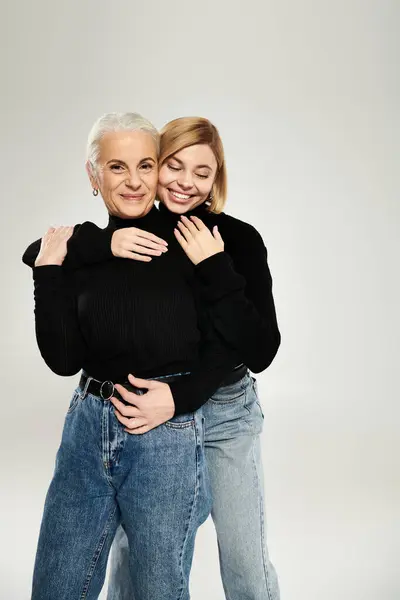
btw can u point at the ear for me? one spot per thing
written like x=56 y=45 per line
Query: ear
x=91 y=175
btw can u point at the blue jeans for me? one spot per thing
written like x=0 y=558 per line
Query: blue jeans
x=233 y=424
x=155 y=484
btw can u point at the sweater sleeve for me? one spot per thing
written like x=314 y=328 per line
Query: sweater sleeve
x=88 y=245
x=238 y=289
x=215 y=362
x=58 y=335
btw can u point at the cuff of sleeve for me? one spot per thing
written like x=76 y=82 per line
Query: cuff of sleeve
x=47 y=273
x=184 y=398
x=218 y=275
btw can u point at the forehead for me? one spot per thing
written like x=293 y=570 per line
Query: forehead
x=127 y=146
x=199 y=154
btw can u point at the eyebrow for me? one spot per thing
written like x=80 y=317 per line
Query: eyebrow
x=118 y=160
x=197 y=166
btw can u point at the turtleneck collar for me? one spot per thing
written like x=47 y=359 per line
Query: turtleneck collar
x=147 y=220
x=200 y=211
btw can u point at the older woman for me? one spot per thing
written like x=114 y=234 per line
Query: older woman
x=110 y=320
x=236 y=288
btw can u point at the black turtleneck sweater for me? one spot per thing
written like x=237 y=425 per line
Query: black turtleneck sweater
x=119 y=316
x=236 y=286
x=233 y=289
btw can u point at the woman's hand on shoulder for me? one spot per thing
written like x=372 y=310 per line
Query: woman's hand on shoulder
x=197 y=240
x=136 y=244
x=53 y=246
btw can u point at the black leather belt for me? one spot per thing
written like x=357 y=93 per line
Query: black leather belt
x=234 y=376
x=106 y=389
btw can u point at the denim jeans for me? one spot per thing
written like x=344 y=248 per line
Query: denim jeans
x=233 y=424
x=155 y=484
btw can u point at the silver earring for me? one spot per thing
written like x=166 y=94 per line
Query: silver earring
x=95 y=192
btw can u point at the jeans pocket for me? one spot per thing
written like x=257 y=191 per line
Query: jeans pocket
x=257 y=400
x=74 y=401
x=228 y=393
x=181 y=421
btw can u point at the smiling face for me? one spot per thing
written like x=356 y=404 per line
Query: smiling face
x=126 y=173
x=186 y=178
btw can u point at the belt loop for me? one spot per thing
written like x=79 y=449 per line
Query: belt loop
x=84 y=392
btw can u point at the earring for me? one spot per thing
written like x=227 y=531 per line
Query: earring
x=211 y=196
x=95 y=192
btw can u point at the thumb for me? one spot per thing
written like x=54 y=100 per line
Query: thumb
x=217 y=234
x=140 y=383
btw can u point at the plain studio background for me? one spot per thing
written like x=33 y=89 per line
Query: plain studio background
x=306 y=97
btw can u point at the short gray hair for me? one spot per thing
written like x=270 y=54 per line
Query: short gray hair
x=117 y=122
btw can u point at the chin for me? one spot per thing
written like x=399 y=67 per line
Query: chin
x=132 y=211
x=179 y=208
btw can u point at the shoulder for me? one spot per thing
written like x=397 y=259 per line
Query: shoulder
x=234 y=228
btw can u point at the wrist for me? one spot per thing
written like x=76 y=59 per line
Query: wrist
x=209 y=255
x=113 y=243
x=44 y=262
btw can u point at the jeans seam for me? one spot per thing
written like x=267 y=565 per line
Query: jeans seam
x=262 y=526
x=105 y=451
x=96 y=556
x=192 y=510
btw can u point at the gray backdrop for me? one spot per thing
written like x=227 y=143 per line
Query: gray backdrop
x=306 y=97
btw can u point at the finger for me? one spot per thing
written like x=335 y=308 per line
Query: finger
x=143 y=250
x=132 y=423
x=51 y=231
x=180 y=239
x=150 y=236
x=190 y=225
x=63 y=232
x=127 y=396
x=140 y=430
x=67 y=232
x=198 y=222
x=128 y=411
x=217 y=234
x=129 y=423
x=145 y=243
x=134 y=256
x=141 y=383
x=185 y=231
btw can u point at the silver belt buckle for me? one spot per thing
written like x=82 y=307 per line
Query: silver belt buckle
x=110 y=388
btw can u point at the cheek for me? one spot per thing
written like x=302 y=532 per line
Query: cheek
x=152 y=180
x=165 y=177
x=105 y=185
x=205 y=187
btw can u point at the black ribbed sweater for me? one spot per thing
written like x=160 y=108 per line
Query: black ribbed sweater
x=114 y=316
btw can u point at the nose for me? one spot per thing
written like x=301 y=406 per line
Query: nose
x=133 y=181
x=185 y=180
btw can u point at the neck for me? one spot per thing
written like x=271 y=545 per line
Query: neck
x=199 y=211
x=118 y=222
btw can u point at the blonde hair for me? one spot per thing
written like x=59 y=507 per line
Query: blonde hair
x=188 y=131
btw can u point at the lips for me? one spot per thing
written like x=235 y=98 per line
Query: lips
x=132 y=197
